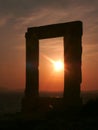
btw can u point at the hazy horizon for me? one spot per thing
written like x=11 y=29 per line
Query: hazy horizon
x=6 y=90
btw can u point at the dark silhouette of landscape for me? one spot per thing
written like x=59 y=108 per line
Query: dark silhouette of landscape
x=86 y=118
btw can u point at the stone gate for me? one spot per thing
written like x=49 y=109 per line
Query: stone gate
x=72 y=35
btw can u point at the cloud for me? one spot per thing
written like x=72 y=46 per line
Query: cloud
x=23 y=7
x=17 y=15
x=91 y=49
x=4 y=20
x=41 y=12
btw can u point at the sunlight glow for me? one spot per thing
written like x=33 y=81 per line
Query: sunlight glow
x=58 y=66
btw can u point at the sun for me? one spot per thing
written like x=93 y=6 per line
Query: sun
x=58 y=66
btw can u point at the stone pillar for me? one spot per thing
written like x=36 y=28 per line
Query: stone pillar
x=32 y=73
x=32 y=63
x=72 y=71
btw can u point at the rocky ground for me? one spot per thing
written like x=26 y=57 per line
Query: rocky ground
x=85 y=119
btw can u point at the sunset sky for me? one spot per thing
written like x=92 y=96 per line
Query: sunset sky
x=51 y=75
x=17 y=15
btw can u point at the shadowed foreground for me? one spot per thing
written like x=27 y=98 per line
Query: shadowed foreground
x=85 y=119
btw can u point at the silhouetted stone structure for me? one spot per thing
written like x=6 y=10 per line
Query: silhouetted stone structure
x=72 y=33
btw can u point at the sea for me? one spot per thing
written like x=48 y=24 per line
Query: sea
x=10 y=102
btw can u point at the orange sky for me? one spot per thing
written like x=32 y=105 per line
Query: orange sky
x=49 y=79
x=16 y=16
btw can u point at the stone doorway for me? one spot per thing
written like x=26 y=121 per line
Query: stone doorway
x=72 y=33
x=51 y=67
